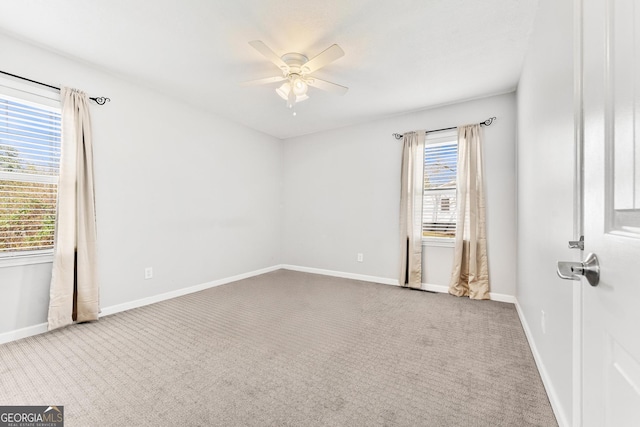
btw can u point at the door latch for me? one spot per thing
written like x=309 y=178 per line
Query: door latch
x=577 y=244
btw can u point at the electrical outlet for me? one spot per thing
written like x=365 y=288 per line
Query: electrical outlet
x=148 y=273
x=543 y=322
x=360 y=257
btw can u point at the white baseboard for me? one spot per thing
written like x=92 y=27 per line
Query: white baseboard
x=441 y=289
x=502 y=297
x=560 y=414
x=386 y=281
x=492 y=295
x=180 y=292
x=17 y=334
x=362 y=277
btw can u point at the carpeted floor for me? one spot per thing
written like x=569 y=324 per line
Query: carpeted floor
x=287 y=349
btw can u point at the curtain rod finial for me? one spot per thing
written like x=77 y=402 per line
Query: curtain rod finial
x=397 y=135
x=488 y=121
x=101 y=100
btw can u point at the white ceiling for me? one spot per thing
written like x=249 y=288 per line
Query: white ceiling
x=400 y=55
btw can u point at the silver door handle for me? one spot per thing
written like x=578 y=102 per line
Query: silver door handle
x=590 y=269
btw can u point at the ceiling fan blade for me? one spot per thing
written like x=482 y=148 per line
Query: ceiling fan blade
x=269 y=54
x=327 y=86
x=265 y=81
x=325 y=57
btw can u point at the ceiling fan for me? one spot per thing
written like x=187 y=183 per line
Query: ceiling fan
x=296 y=72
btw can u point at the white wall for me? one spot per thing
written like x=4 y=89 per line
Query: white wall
x=192 y=195
x=341 y=194
x=545 y=197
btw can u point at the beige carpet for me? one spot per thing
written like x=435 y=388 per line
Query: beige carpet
x=287 y=349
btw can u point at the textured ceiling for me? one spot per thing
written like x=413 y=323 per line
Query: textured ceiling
x=400 y=55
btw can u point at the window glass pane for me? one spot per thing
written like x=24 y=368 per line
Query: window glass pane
x=439 y=214
x=29 y=161
x=439 y=202
x=440 y=166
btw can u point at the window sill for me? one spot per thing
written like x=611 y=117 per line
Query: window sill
x=442 y=243
x=27 y=258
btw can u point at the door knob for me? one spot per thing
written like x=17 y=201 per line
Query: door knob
x=590 y=269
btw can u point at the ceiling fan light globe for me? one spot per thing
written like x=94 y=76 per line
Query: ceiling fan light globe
x=299 y=87
x=283 y=91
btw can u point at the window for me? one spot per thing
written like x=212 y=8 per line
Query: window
x=439 y=208
x=30 y=132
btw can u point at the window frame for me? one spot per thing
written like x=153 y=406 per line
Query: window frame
x=39 y=97
x=433 y=138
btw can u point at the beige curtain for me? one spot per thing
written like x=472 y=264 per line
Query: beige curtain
x=470 y=276
x=74 y=286
x=411 y=188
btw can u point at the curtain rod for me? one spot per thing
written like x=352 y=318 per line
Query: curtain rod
x=100 y=100
x=485 y=123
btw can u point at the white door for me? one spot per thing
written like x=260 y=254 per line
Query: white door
x=611 y=310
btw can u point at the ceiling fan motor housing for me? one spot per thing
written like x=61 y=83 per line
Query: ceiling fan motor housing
x=295 y=61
